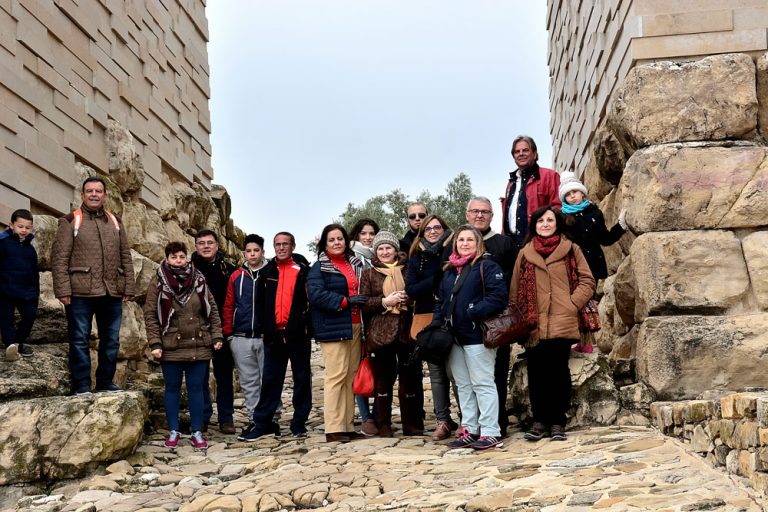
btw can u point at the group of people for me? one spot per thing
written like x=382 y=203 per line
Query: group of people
x=368 y=294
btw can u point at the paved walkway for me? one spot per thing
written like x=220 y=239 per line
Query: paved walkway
x=618 y=469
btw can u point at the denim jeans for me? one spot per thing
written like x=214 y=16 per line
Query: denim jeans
x=223 y=372
x=276 y=357
x=27 y=312
x=472 y=368
x=196 y=372
x=80 y=312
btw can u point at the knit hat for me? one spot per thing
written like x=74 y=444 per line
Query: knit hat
x=385 y=237
x=568 y=183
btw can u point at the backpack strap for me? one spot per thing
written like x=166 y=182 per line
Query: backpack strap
x=78 y=219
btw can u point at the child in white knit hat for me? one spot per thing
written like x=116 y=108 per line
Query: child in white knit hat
x=586 y=227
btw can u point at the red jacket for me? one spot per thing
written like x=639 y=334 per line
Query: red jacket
x=541 y=190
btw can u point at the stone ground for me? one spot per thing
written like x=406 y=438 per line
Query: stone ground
x=607 y=468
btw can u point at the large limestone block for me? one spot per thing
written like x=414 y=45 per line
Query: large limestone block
x=45 y=232
x=710 y=99
x=597 y=186
x=696 y=186
x=46 y=374
x=133 y=334
x=609 y=155
x=143 y=270
x=51 y=322
x=625 y=290
x=762 y=95
x=682 y=356
x=125 y=167
x=146 y=231
x=756 y=255
x=222 y=200
x=190 y=205
x=45 y=439
x=688 y=272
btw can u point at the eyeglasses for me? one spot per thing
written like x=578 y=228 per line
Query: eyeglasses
x=433 y=229
x=282 y=244
x=477 y=212
x=420 y=215
x=203 y=243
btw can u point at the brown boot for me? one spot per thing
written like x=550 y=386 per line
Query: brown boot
x=385 y=431
x=369 y=428
x=443 y=431
x=337 y=437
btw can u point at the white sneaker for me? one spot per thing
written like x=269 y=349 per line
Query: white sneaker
x=12 y=352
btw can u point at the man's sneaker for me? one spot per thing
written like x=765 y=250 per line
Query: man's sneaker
x=198 y=441
x=537 y=431
x=463 y=439
x=369 y=428
x=85 y=390
x=251 y=433
x=12 y=352
x=25 y=350
x=247 y=429
x=172 y=441
x=109 y=388
x=558 y=433
x=299 y=434
x=486 y=442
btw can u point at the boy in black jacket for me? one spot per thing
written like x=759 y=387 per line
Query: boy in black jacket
x=19 y=284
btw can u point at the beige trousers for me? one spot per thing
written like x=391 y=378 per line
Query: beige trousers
x=341 y=359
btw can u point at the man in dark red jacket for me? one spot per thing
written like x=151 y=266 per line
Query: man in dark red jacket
x=529 y=188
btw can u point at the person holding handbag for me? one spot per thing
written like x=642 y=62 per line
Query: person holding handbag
x=387 y=338
x=472 y=289
x=332 y=284
x=551 y=281
x=423 y=276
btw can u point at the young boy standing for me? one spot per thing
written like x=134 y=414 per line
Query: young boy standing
x=242 y=320
x=19 y=284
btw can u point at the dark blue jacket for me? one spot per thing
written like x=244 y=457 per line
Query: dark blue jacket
x=327 y=288
x=425 y=271
x=243 y=305
x=19 y=277
x=472 y=305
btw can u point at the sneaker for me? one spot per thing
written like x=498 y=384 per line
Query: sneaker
x=299 y=434
x=109 y=388
x=12 y=352
x=85 y=390
x=198 y=441
x=247 y=430
x=228 y=428
x=442 y=431
x=25 y=350
x=252 y=435
x=486 y=442
x=558 y=433
x=537 y=431
x=463 y=439
x=369 y=428
x=276 y=428
x=172 y=440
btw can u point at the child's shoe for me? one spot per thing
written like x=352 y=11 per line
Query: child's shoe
x=12 y=352
x=25 y=350
x=172 y=441
x=198 y=441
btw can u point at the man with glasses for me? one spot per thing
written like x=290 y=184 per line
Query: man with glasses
x=502 y=250
x=286 y=338
x=415 y=215
x=529 y=188
x=209 y=260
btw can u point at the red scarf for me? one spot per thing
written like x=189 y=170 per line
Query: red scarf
x=546 y=246
x=458 y=261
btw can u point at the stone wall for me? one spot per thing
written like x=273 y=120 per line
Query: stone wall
x=593 y=45
x=68 y=69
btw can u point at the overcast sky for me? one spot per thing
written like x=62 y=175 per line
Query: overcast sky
x=317 y=104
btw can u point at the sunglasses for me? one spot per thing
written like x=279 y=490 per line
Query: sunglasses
x=419 y=215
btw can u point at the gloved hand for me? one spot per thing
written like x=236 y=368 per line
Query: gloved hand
x=623 y=219
x=357 y=300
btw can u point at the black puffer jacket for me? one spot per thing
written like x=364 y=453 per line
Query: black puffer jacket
x=587 y=230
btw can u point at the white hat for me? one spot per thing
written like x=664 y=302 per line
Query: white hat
x=568 y=183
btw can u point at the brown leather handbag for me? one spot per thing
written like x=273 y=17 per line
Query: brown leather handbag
x=506 y=328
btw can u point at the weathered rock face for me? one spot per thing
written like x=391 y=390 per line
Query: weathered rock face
x=143 y=270
x=133 y=335
x=696 y=186
x=681 y=356
x=710 y=99
x=610 y=156
x=125 y=167
x=44 y=439
x=47 y=374
x=762 y=95
x=45 y=233
x=755 y=248
x=688 y=272
x=146 y=232
x=51 y=323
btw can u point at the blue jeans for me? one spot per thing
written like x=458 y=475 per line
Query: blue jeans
x=27 y=312
x=80 y=313
x=472 y=367
x=196 y=372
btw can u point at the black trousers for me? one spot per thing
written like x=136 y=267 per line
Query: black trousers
x=389 y=363
x=549 y=380
x=27 y=313
x=501 y=378
x=223 y=372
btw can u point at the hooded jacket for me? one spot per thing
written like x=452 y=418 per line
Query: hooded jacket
x=19 y=277
x=243 y=305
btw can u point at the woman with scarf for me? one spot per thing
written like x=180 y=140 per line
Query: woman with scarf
x=332 y=284
x=472 y=289
x=551 y=281
x=421 y=282
x=183 y=329
x=387 y=339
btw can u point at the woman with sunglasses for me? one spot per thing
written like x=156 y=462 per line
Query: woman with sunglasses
x=421 y=283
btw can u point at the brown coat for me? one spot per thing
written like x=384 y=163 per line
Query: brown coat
x=95 y=263
x=381 y=328
x=557 y=307
x=190 y=336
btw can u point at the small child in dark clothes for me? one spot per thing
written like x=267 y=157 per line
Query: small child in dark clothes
x=19 y=284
